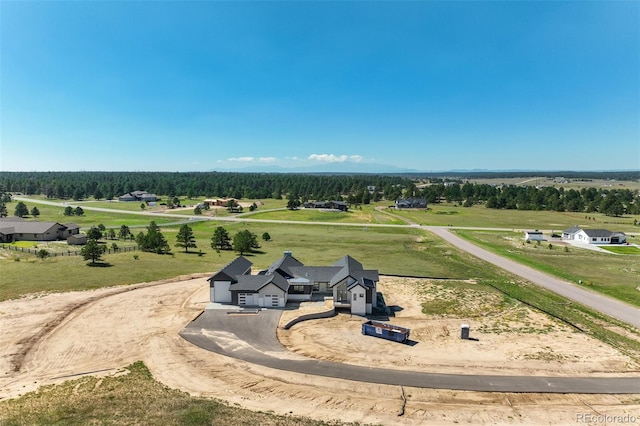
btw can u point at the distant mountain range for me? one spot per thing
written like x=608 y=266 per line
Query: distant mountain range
x=377 y=168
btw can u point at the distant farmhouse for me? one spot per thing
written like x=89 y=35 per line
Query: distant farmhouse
x=350 y=285
x=328 y=205
x=19 y=229
x=143 y=196
x=218 y=202
x=594 y=236
x=411 y=203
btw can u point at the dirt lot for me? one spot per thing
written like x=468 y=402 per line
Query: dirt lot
x=52 y=338
x=510 y=341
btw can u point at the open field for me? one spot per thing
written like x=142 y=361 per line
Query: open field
x=361 y=214
x=478 y=216
x=403 y=251
x=572 y=183
x=607 y=273
x=90 y=218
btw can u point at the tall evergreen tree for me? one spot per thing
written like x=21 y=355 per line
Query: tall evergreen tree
x=185 y=238
x=21 y=210
x=153 y=241
x=124 y=232
x=221 y=239
x=93 y=251
x=245 y=242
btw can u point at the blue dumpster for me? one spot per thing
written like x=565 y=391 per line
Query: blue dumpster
x=386 y=331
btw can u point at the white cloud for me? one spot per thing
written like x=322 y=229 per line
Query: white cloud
x=242 y=159
x=332 y=158
x=253 y=159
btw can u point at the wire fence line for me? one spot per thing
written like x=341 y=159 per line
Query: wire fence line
x=64 y=253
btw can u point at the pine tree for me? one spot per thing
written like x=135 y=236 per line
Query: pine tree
x=221 y=239
x=21 y=210
x=185 y=238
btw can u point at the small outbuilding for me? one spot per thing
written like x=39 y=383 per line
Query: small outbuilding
x=77 y=240
x=533 y=236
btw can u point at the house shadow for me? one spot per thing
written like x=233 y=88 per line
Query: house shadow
x=382 y=312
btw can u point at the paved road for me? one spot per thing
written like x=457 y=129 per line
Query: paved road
x=252 y=338
x=611 y=307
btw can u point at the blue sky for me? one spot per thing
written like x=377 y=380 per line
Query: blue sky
x=430 y=86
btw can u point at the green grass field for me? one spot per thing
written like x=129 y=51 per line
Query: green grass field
x=90 y=218
x=127 y=399
x=445 y=214
x=360 y=214
x=395 y=251
x=630 y=250
x=613 y=275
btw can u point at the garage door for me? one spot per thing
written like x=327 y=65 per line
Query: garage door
x=245 y=298
x=271 y=300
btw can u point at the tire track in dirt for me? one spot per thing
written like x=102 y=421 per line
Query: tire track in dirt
x=27 y=344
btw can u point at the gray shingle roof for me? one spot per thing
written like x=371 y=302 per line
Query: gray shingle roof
x=239 y=266
x=316 y=273
x=571 y=230
x=253 y=283
x=282 y=266
x=30 y=227
x=598 y=233
x=352 y=268
x=365 y=282
x=349 y=262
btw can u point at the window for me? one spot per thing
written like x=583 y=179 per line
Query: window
x=316 y=286
x=355 y=296
x=296 y=289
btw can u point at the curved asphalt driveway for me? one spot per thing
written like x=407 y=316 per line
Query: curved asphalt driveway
x=252 y=338
x=606 y=305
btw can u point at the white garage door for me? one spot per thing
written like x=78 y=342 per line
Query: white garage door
x=271 y=300
x=245 y=298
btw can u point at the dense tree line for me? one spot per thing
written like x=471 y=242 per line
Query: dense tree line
x=611 y=202
x=110 y=185
x=298 y=188
x=586 y=176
